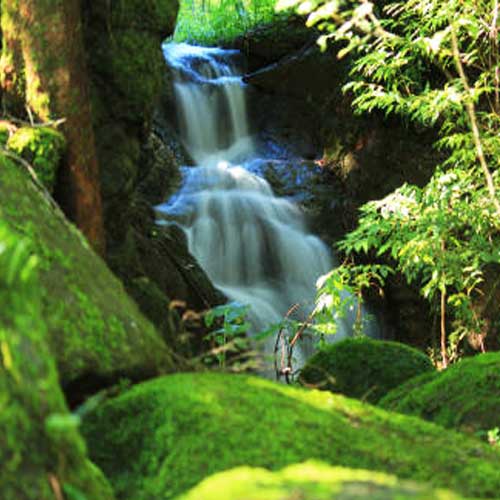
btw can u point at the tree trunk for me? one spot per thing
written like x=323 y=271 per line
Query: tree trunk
x=43 y=60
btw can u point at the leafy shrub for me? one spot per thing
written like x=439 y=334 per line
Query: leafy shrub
x=364 y=368
x=435 y=64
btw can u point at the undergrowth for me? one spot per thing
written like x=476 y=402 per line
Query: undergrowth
x=209 y=22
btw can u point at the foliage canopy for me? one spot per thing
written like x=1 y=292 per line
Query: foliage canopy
x=435 y=64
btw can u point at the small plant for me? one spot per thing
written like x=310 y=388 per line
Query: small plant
x=340 y=294
x=229 y=339
x=493 y=436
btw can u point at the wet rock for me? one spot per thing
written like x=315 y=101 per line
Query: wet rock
x=268 y=43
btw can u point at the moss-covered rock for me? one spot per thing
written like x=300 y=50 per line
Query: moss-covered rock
x=94 y=329
x=42 y=453
x=364 y=368
x=43 y=148
x=466 y=396
x=128 y=73
x=162 y=437
x=311 y=481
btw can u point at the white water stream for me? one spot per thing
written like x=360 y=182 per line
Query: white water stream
x=254 y=246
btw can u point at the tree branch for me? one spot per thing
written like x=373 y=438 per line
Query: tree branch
x=471 y=113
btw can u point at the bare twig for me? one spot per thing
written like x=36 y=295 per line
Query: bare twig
x=444 y=354
x=18 y=121
x=56 y=487
x=283 y=369
x=494 y=43
x=30 y=115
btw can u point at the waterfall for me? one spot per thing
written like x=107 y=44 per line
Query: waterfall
x=254 y=246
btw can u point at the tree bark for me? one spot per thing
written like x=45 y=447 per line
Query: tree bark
x=44 y=61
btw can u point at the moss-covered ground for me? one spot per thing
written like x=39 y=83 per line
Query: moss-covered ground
x=364 y=368
x=94 y=329
x=162 y=437
x=312 y=481
x=42 y=454
x=466 y=396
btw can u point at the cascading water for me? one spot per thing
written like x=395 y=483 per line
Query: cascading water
x=254 y=246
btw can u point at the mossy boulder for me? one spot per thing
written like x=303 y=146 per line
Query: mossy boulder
x=43 y=148
x=95 y=330
x=163 y=436
x=364 y=368
x=312 y=481
x=465 y=396
x=42 y=453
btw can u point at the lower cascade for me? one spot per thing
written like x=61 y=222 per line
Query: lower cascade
x=254 y=246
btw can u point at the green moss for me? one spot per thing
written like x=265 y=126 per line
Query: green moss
x=156 y=16
x=364 y=368
x=162 y=437
x=127 y=39
x=466 y=396
x=94 y=328
x=43 y=148
x=40 y=446
x=155 y=305
x=312 y=481
x=140 y=77
x=4 y=132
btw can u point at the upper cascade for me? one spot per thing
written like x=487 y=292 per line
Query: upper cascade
x=211 y=103
x=254 y=246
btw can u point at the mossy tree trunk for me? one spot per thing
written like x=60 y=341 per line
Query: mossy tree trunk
x=43 y=67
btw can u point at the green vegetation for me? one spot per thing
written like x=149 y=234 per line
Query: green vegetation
x=434 y=64
x=67 y=324
x=162 y=437
x=311 y=480
x=363 y=368
x=41 y=147
x=228 y=336
x=465 y=397
x=41 y=451
x=92 y=325
x=208 y=22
